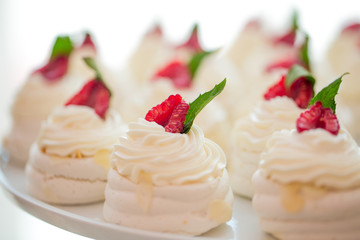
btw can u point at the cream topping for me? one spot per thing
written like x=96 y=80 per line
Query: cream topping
x=171 y=159
x=316 y=157
x=252 y=132
x=33 y=93
x=74 y=130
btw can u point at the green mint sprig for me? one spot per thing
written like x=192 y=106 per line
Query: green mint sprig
x=199 y=103
x=91 y=63
x=327 y=95
x=62 y=46
x=304 y=53
x=297 y=72
x=295 y=21
x=196 y=60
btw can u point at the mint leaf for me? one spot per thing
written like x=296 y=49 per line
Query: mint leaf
x=304 y=53
x=91 y=63
x=62 y=46
x=199 y=103
x=297 y=72
x=327 y=95
x=294 y=21
x=195 y=28
x=196 y=60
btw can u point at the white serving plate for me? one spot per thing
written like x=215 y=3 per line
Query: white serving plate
x=87 y=220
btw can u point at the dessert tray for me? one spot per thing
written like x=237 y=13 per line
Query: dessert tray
x=87 y=220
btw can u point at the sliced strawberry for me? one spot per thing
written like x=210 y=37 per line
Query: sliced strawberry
x=176 y=71
x=161 y=113
x=94 y=94
x=55 y=69
x=156 y=30
x=301 y=91
x=254 y=23
x=310 y=118
x=193 y=41
x=318 y=117
x=288 y=38
x=285 y=64
x=177 y=119
x=277 y=90
x=353 y=27
x=329 y=121
x=88 y=42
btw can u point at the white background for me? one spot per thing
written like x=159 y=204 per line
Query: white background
x=28 y=29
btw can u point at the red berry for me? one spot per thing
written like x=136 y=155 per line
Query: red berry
x=318 y=117
x=282 y=64
x=329 y=121
x=156 y=30
x=354 y=27
x=193 y=42
x=94 y=94
x=177 y=119
x=310 y=118
x=178 y=72
x=301 y=91
x=55 y=69
x=277 y=90
x=88 y=42
x=170 y=114
x=253 y=23
x=288 y=38
x=162 y=112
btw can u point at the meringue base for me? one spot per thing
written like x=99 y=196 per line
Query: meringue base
x=241 y=172
x=65 y=180
x=319 y=214
x=183 y=209
x=23 y=133
x=63 y=190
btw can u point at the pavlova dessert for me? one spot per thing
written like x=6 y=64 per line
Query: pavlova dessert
x=166 y=176
x=281 y=106
x=307 y=185
x=45 y=89
x=70 y=158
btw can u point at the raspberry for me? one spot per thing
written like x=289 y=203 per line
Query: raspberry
x=318 y=117
x=282 y=64
x=55 y=69
x=288 y=38
x=193 y=41
x=330 y=121
x=178 y=72
x=162 y=112
x=94 y=94
x=277 y=90
x=88 y=42
x=156 y=30
x=177 y=119
x=170 y=114
x=310 y=118
x=354 y=27
x=253 y=24
x=301 y=91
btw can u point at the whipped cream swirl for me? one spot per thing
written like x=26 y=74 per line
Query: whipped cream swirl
x=252 y=132
x=76 y=129
x=316 y=157
x=170 y=159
